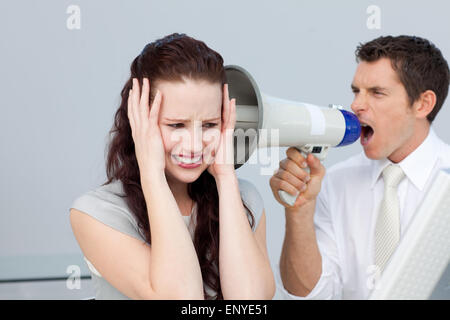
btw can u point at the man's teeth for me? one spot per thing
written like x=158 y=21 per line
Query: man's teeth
x=363 y=125
x=187 y=160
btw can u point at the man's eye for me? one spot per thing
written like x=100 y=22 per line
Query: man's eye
x=210 y=125
x=176 y=125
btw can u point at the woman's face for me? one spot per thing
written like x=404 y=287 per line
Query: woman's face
x=190 y=122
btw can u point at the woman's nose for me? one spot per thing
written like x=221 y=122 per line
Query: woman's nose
x=197 y=140
x=192 y=140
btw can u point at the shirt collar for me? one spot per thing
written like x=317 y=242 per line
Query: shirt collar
x=417 y=165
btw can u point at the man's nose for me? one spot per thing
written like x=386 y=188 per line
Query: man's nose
x=359 y=104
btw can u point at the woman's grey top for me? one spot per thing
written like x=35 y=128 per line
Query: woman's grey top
x=107 y=206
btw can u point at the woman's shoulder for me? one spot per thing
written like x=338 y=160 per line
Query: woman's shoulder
x=107 y=204
x=103 y=197
x=251 y=198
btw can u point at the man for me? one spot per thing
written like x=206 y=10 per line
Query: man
x=340 y=228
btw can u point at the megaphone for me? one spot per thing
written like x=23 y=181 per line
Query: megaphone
x=309 y=128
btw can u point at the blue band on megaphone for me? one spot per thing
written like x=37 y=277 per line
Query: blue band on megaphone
x=352 y=129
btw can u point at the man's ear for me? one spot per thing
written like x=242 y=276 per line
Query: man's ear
x=425 y=104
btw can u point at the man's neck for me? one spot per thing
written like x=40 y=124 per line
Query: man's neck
x=420 y=134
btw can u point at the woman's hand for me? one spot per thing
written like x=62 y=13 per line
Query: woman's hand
x=145 y=129
x=223 y=163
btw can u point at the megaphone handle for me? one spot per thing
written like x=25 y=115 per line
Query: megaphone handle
x=286 y=197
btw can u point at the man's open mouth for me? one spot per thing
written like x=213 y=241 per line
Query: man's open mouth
x=366 y=133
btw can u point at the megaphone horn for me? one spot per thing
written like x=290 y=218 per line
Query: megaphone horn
x=309 y=128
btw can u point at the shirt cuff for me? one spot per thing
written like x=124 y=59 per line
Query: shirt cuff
x=321 y=291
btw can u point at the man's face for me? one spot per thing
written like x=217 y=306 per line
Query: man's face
x=382 y=106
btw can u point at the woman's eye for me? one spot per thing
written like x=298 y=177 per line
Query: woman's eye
x=181 y=125
x=176 y=125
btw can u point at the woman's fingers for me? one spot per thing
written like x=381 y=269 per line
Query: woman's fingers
x=229 y=109
x=226 y=106
x=232 y=120
x=209 y=154
x=139 y=111
x=130 y=110
x=135 y=102
x=154 y=111
x=138 y=102
x=144 y=99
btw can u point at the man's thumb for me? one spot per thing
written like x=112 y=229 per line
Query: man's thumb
x=316 y=168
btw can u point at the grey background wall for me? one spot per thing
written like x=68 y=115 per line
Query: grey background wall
x=60 y=88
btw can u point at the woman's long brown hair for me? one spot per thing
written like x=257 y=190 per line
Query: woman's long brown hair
x=171 y=58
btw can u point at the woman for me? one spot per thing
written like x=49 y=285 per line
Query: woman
x=170 y=222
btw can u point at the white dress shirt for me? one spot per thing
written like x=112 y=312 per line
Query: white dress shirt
x=346 y=213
